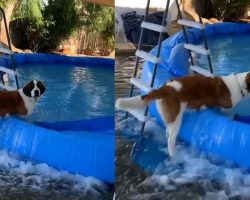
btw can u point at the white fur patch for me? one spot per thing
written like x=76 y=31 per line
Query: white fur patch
x=175 y=84
x=234 y=88
x=6 y=78
x=29 y=102
x=129 y=103
x=241 y=79
x=34 y=89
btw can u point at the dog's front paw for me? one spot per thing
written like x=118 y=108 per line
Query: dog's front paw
x=171 y=148
x=171 y=153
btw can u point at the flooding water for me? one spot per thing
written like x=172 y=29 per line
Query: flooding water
x=30 y=181
x=145 y=172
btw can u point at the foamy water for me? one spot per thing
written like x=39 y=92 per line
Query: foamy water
x=19 y=179
x=206 y=177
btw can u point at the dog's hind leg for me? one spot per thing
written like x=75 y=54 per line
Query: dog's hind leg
x=171 y=111
x=173 y=130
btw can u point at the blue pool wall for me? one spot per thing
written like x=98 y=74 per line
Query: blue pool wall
x=53 y=58
x=84 y=147
x=209 y=130
x=106 y=123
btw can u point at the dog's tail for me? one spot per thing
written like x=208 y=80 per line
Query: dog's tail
x=138 y=102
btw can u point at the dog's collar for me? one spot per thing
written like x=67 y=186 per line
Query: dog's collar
x=241 y=91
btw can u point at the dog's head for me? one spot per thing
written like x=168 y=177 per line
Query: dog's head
x=34 y=88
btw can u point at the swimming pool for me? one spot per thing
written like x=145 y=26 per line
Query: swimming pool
x=63 y=131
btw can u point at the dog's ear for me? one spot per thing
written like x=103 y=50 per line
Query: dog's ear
x=28 y=88
x=41 y=87
x=248 y=82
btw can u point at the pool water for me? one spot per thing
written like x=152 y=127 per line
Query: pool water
x=73 y=92
x=229 y=54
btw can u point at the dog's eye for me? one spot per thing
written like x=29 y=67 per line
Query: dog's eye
x=41 y=87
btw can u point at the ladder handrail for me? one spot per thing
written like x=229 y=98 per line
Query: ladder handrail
x=9 y=45
x=164 y=21
x=205 y=39
x=202 y=33
x=139 y=47
x=6 y=27
x=184 y=31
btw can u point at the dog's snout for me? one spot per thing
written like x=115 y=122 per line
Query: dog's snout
x=36 y=93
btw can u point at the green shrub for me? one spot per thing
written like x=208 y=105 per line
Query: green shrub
x=230 y=10
x=46 y=26
x=98 y=19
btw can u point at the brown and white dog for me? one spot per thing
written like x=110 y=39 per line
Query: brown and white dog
x=190 y=92
x=22 y=101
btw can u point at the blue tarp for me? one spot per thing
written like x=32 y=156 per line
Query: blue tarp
x=132 y=27
x=209 y=130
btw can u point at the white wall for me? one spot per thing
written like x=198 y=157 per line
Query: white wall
x=140 y=3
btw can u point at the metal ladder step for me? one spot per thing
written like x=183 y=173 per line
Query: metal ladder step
x=153 y=27
x=7 y=87
x=202 y=71
x=140 y=84
x=190 y=23
x=147 y=56
x=197 y=48
x=138 y=114
x=5 y=50
x=7 y=70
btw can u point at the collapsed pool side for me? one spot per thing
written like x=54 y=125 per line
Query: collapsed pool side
x=88 y=153
x=208 y=130
x=84 y=147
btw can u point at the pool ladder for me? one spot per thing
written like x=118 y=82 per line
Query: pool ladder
x=11 y=72
x=141 y=115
